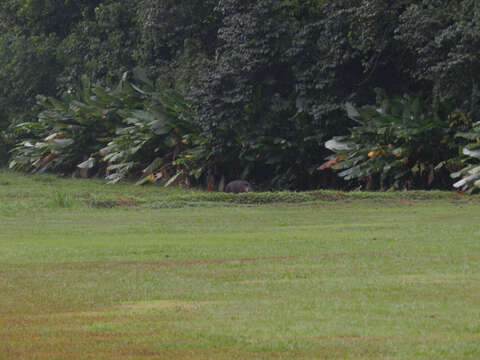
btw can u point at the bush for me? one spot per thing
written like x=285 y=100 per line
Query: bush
x=403 y=143
x=155 y=140
x=470 y=174
x=137 y=130
x=68 y=131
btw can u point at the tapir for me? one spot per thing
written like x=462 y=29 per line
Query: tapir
x=238 y=186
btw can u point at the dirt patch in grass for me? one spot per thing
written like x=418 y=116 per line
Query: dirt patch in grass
x=112 y=203
x=160 y=305
x=436 y=279
x=106 y=265
x=126 y=202
x=193 y=262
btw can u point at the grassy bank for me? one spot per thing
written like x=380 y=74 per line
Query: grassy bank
x=90 y=271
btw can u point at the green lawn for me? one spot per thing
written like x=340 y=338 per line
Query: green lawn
x=90 y=271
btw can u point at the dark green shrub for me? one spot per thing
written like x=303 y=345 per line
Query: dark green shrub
x=247 y=100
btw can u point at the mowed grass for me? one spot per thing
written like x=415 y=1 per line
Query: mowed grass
x=90 y=271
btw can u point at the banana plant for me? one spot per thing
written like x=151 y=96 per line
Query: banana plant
x=400 y=143
x=68 y=131
x=135 y=129
x=153 y=138
x=470 y=174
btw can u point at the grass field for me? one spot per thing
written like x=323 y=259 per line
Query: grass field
x=90 y=271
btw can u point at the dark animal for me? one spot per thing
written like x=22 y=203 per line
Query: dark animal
x=238 y=186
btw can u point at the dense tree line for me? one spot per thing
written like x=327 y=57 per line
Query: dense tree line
x=266 y=82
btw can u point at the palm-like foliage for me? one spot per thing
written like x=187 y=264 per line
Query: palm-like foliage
x=154 y=138
x=401 y=143
x=470 y=175
x=131 y=130
x=68 y=131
